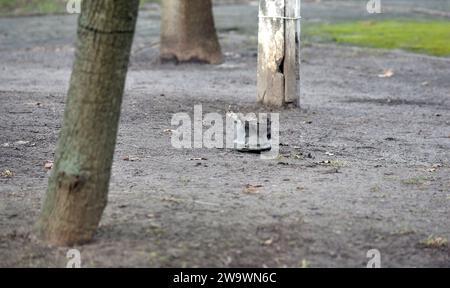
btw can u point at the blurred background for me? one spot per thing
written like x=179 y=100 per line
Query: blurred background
x=420 y=26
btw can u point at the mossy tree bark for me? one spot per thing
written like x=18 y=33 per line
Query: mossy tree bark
x=188 y=33
x=78 y=186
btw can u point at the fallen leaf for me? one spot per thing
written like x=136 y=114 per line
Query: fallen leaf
x=21 y=142
x=48 y=164
x=297 y=156
x=434 y=167
x=131 y=158
x=387 y=73
x=252 y=189
x=7 y=173
x=268 y=242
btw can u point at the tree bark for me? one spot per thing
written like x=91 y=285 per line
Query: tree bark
x=188 y=33
x=78 y=187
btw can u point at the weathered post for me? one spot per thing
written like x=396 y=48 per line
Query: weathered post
x=292 y=52
x=279 y=52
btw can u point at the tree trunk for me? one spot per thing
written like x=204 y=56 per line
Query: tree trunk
x=78 y=187
x=188 y=33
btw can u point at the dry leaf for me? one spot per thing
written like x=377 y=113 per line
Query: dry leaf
x=387 y=73
x=7 y=173
x=131 y=158
x=434 y=167
x=21 y=142
x=268 y=242
x=297 y=156
x=48 y=165
x=251 y=189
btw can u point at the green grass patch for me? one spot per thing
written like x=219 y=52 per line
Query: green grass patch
x=429 y=37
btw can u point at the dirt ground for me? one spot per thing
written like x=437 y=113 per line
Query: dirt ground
x=365 y=163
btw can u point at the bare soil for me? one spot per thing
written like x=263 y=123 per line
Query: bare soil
x=365 y=163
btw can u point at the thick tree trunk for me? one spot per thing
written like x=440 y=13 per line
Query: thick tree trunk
x=188 y=33
x=78 y=187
